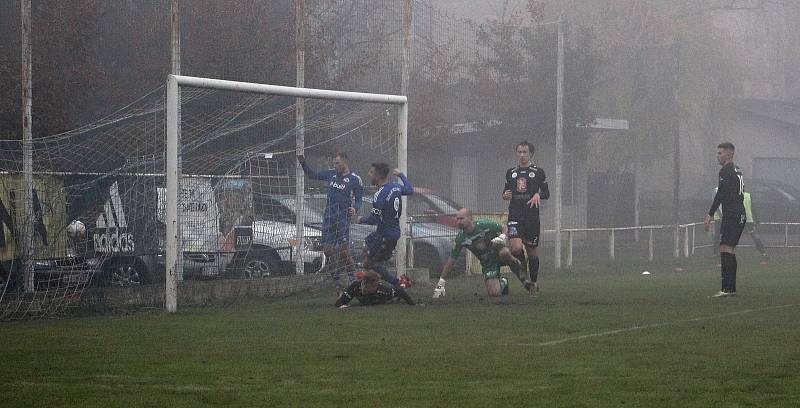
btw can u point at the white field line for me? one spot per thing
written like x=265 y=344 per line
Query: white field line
x=656 y=325
x=563 y=340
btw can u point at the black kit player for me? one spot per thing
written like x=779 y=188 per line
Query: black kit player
x=525 y=187
x=730 y=194
x=372 y=291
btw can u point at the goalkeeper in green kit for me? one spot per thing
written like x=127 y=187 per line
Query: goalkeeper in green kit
x=485 y=239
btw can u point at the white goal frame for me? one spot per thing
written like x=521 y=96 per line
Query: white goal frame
x=174 y=269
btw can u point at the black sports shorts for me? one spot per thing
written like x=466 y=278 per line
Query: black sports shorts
x=527 y=230
x=731 y=229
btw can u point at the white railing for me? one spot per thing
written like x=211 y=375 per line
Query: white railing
x=785 y=244
x=685 y=241
x=612 y=231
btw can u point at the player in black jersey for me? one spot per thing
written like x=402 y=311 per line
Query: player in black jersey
x=525 y=187
x=730 y=194
x=371 y=291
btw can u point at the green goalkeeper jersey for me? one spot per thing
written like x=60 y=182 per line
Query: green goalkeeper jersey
x=479 y=240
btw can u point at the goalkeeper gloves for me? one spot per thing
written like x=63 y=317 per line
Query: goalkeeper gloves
x=499 y=241
x=439 y=291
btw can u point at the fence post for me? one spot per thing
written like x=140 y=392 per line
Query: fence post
x=569 y=248
x=650 y=244
x=786 y=235
x=686 y=242
x=694 y=237
x=410 y=251
x=611 y=245
x=676 y=244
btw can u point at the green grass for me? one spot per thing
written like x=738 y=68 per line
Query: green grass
x=576 y=345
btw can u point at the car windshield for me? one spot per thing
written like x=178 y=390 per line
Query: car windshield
x=428 y=203
x=268 y=209
x=446 y=205
x=315 y=207
x=788 y=193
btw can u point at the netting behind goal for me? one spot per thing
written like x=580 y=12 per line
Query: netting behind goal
x=90 y=211
x=99 y=218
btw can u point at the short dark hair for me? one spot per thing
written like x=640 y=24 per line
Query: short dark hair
x=726 y=146
x=382 y=169
x=341 y=155
x=531 y=149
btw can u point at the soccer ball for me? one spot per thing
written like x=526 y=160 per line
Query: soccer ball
x=76 y=229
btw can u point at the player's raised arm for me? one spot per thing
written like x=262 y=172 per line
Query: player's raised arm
x=311 y=173
x=408 y=189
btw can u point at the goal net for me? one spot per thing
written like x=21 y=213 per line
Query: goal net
x=120 y=217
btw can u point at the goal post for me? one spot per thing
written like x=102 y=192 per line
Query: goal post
x=174 y=268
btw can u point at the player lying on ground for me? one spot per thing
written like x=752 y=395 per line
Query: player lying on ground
x=371 y=291
x=484 y=238
x=387 y=206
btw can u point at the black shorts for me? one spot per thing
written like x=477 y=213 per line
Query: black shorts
x=527 y=230
x=731 y=229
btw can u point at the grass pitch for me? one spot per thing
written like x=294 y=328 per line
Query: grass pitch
x=603 y=335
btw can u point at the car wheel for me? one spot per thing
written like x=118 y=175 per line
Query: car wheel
x=427 y=257
x=259 y=263
x=124 y=272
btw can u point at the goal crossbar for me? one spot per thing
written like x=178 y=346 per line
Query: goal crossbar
x=310 y=93
x=174 y=268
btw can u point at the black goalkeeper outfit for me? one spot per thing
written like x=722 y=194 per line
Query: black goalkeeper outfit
x=382 y=294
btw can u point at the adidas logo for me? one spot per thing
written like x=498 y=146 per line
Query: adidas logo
x=111 y=218
x=113 y=240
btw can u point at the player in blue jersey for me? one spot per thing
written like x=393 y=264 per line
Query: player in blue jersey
x=387 y=206
x=345 y=192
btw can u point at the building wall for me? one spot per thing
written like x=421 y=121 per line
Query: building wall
x=759 y=137
x=472 y=168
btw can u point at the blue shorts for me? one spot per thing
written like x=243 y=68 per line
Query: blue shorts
x=335 y=231
x=379 y=248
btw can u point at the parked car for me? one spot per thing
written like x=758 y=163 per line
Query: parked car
x=772 y=201
x=122 y=232
x=427 y=206
x=432 y=242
